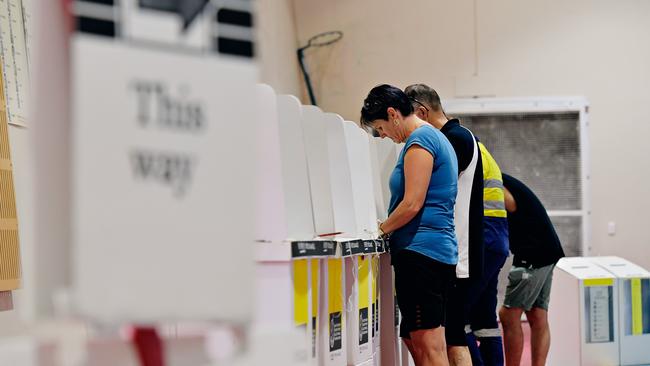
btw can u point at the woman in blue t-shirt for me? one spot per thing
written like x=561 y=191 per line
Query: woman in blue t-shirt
x=421 y=219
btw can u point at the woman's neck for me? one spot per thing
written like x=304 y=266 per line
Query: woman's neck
x=412 y=123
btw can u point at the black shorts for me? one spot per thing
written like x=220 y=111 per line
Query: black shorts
x=457 y=313
x=422 y=285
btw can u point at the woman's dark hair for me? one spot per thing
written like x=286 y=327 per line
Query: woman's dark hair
x=380 y=98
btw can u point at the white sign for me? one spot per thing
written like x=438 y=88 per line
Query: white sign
x=164 y=175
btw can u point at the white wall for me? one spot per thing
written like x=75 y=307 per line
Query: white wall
x=595 y=48
x=277 y=44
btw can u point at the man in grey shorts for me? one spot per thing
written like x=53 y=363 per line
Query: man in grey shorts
x=536 y=248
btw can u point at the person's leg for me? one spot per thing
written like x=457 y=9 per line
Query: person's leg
x=540 y=336
x=459 y=356
x=405 y=334
x=404 y=290
x=513 y=336
x=540 y=339
x=476 y=287
x=475 y=353
x=409 y=346
x=430 y=347
x=483 y=317
x=456 y=318
x=422 y=286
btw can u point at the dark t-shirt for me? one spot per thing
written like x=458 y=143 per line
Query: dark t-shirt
x=533 y=239
x=463 y=143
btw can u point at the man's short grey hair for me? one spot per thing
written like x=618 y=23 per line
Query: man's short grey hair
x=422 y=93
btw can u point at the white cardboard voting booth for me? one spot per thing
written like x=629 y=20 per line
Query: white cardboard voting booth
x=633 y=296
x=287 y=285
x=300 y=219
x=582 y=314
x=318 y=138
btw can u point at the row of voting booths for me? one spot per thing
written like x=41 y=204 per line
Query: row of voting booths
x=600 y=312
x=170 y=207
x=320 y=264
x=163 y=204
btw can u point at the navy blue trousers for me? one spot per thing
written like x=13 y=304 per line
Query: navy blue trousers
x=482 y=302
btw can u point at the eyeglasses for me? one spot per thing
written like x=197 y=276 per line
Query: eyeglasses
x=421 y=104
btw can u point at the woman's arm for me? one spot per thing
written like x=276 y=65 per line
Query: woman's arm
x=418 y=165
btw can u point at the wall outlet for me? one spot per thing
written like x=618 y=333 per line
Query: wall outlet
x=611 y=228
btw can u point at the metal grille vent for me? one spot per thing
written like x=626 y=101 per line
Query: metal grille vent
x=542 y=150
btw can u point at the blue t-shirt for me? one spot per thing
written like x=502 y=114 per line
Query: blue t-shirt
x=431 y=232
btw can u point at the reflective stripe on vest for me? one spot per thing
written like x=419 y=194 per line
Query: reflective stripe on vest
x=493 y=197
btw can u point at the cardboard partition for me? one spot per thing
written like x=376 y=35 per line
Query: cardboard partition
x=318 y=164
x=295 y=176
x=341 y=181
x=361 y=174
x=270 y=212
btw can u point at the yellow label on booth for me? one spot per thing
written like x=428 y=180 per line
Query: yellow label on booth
x=335 y=284
x=300 y=292
x=375 y=277
x=315 y=275
x=363 y=282
x=599 y=282
x=637 y=306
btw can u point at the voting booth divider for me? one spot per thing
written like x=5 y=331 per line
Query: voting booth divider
x=633 y=297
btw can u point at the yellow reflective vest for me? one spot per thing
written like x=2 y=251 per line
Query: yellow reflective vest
x=493 y=196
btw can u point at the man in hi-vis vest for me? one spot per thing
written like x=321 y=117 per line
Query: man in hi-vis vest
x=483 y=293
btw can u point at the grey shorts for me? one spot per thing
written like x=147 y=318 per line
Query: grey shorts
x=529 y=287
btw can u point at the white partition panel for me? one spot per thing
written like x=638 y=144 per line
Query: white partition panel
x=315 y=134
x=380 y=203
x=386 y=155
x=344 y=218
x=361 y=173
x=271 y=224
x=295 y=176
